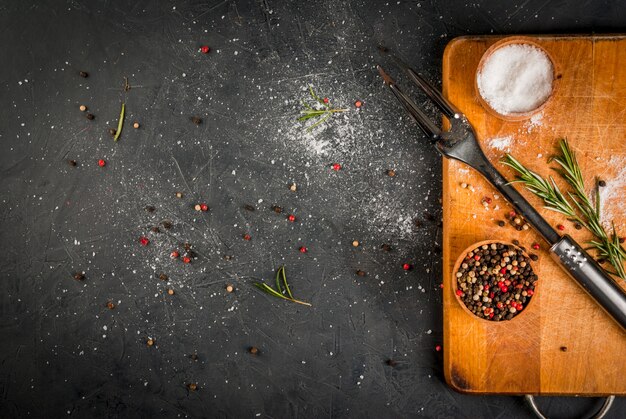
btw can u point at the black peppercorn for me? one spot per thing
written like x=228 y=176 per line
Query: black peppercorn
x=79 y=276
x=112 y=132
x=601 y=183
x=72 y=163
x=392 y=363
x=386 y=247
x=277 y=209
x=360 y=272
x=253 y=350
x=83 y=74
x=163 y=277
x=150 y=208
x=501 y=223
x=534 y=257
x=196 y=120
x=90 y=116
x=166 y=224
x=578 y=226
x=248 y=207
x=155 y=229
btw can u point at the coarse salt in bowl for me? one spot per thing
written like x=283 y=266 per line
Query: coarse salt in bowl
x=515 y=77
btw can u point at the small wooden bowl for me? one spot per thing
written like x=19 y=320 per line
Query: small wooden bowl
x=460 y=260
x=510 y=41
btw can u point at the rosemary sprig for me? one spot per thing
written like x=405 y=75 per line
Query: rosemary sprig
x=323 y=113
x=585 y=210
x=282 y=288
x=120 y=123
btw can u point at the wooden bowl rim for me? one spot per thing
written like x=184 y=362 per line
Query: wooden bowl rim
x=509 y=41
x=460 y=259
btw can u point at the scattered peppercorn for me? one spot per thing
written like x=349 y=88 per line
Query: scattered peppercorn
x=601 y=261
x=293 y=187
x=360 y=272
x=228 y=257
x=163 y=277
x=90 y=116
x=253 y=350
x=179 y=195
x=578 y=226
x=174 y=254
x=155 y=229
x=355 y=243
x=560 y=227
x=391 y=173
x=407 y=266
x=144 y=241
x=72 y=163
x=112 y=132
x=501 y=223
x=515 y=242
x=291 y=218
x=192 y=386
x=170 y=291
x=326 y=100
x=563 y=348
x=150 y=342
x=186 y=259
x=102 y=163
x=166 y=224
x=495 y=281
x=601 y=183
x=204 y=49
x=110 y=305
x=438 y=348
x=535 y=246
x=82 y=108
x=83 y=74
x=391 y=363
x=79 y=276
x=196 y=120
x=204 y=207
x=303 y=249
x=358 y=104
x=197 y=207
x=336 y=167
x=230 y=288
x=194 y=357
x=621 y=239
x=247 y=237
x=386 y=247
x=136 y=125
x=248 y=207
x=534 y=257
x=150 y=208
x=277 y=209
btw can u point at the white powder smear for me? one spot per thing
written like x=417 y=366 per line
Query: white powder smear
x=516 y=78
x=501 y=143
x=612 y=192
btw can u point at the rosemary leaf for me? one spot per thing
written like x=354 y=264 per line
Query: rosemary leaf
x=323 y=113
x=281 y=277
x=120 y=123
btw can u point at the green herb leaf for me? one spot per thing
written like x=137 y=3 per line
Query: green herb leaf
x=585 y=211
x=322 y=113
x=281 y=282
x=120 y=123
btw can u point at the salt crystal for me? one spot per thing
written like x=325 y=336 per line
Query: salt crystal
x=516 y=78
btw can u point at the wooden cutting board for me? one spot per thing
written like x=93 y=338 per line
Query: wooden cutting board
x=562 y=343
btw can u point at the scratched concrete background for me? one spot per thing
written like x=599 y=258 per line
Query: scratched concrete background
x=65 y=353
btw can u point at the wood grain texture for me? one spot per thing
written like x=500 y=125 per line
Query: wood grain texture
x=525 y=355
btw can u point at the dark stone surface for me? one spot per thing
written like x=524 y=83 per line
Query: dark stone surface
x=64 y=353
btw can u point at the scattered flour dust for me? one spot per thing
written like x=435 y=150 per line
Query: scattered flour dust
x=501 y=143
x=612 y=195
x=516 y=78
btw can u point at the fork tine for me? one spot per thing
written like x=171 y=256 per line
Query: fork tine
x=425 y=124
x=448 y=109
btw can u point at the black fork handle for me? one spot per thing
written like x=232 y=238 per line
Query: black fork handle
x=570 y=256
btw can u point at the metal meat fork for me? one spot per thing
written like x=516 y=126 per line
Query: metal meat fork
x=459 y=143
